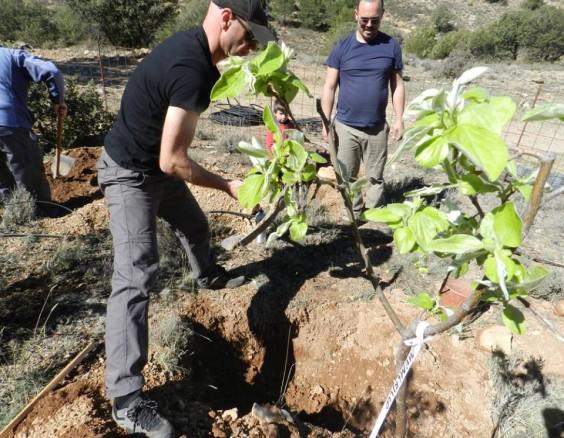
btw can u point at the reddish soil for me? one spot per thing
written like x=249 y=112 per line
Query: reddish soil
x=80 y=186
x=307 y=333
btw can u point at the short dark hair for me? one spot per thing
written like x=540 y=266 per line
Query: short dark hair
x=277 y=106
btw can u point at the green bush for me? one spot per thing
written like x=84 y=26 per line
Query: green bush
x=30 y=22
x=447 y=43
x=191 y=14
x=126 y=23
x=285 y=12
x=421 y=41
x=314 y=14
x=443 y=19
x=86 y=116
x=532 y=4
x=543 y=35
x=482 y=44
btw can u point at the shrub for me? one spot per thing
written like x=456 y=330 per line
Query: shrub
x=19 y=210
x=543 y=35
x=285 y=12
x=446 y=44
x=443 y=20
x=314 y=14
x=421 y=42
x=532 y=4
x=86 y=117
x=482 y=44
x=30 y=22
x=126 y=23
x=191 y=14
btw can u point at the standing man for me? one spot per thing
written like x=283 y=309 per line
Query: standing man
x=21 y=160
x=143 y=173
x=363 y=65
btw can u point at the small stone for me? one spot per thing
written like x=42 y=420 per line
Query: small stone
x=495 y=338
x=317 y=389
x=559 y=308
x=230 y=415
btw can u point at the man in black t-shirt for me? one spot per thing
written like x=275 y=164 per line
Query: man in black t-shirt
x=143 y=173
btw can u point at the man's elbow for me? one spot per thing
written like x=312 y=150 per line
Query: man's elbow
x=167 y=165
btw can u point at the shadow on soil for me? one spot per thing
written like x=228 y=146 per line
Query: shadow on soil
x=218 y=369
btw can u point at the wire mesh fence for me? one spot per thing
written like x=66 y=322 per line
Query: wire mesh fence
x=110 y=68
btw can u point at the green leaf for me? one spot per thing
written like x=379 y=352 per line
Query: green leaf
x=411 y=137
x=423 y=301
x=471 y=185
x=269 y=60
x=514 y=319
x=456 y=244
x=314 y=156
x=432 y=153
x=271 y=125
x=404 y=240
x=484 y=148
x=309 y=172
x=507 y=225
x=252 y=149
x=250 y=193
x=290 y=177
x=532 y=278
x=298 y=229
x=298 y=156
x=545 y=112
x=280 y=231
x=232 y=83
x=512 y=168
x=358 y=185
x=426 y=224
x=400 y=210
x=487 y=232
x=525 y=189
x=476 y=94
x=492 y=115
x=428 y=191
x=381 y=214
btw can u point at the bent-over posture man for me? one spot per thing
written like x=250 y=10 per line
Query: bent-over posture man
x=362 y=66
x=143 y=173
x=21 y=160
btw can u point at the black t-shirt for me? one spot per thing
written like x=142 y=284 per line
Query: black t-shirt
x=179 y=72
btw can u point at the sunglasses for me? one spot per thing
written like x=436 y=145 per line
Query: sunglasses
x=249 y=36
x=372 y=20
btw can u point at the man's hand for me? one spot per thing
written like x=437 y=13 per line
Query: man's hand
x=61 y=109
x=233 y=187
x=396 y=130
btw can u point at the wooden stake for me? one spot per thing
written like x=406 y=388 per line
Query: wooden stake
x=60 y=121
x=72 y=364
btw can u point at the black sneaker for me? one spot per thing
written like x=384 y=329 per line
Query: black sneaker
x=222 y=279
x=142 y=417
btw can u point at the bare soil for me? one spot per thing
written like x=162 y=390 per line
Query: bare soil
x=306 y=334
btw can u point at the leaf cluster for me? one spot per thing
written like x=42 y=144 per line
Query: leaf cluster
x=278 y=176
x=86 y=117
x=266 y=74
x=459 y=132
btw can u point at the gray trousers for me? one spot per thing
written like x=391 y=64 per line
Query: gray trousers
x=369 y=146
x=21 y=164
x=134 y=201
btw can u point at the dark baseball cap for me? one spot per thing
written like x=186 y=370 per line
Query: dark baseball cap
x=254 y=12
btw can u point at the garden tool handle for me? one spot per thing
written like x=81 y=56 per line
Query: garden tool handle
x=60 y=122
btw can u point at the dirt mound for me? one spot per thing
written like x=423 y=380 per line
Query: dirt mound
x=80 y=186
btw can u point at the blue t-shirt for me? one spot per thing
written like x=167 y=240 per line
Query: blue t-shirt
x=365 y=70
x=17 y=70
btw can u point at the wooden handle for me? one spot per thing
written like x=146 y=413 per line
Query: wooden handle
x=60 y=121
x=73 y=363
